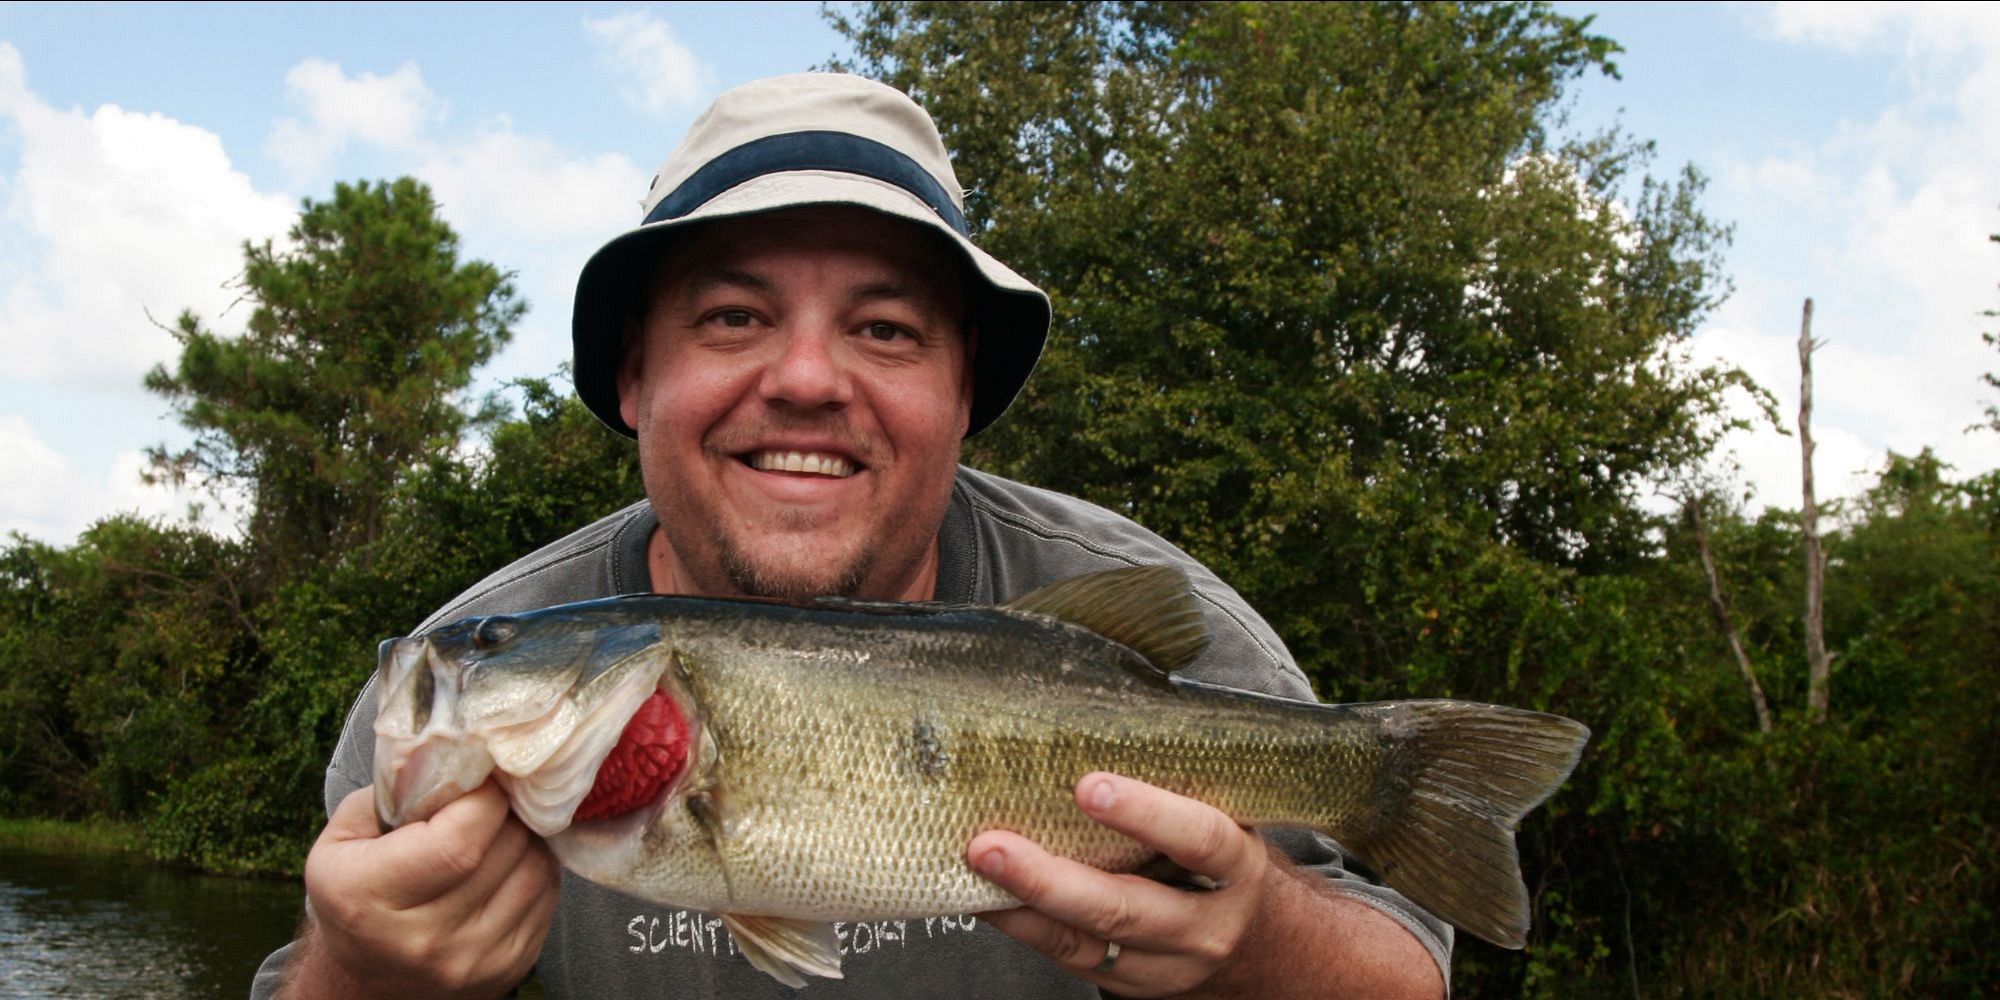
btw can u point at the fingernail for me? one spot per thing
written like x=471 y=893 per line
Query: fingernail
x=1102 y=796
x=990 y=863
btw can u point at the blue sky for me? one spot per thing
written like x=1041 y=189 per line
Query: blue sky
x=1850 y=145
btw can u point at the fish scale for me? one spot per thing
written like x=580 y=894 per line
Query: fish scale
x=887 y=838
x=842 y=755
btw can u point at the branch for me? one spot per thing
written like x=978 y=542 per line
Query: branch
x=1722 y=618
x=1817 y=662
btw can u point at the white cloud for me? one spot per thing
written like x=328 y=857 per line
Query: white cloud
x=1865 y=404
x=43 y=496
x=28 y=467
x=519 y=185
x=491 y=179
x=1852 y=26
x=390 y=112
x=657 y=74
x=109 y=216
x=1896 y=211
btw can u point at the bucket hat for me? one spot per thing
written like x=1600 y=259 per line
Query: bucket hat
x=788 y=142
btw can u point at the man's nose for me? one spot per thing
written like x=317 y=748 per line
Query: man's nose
x=808 y=371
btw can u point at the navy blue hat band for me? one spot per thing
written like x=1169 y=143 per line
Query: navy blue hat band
x=837 y=151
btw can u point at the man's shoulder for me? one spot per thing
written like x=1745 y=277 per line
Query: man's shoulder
x=1043 y=525
x=1024 y=537
x=580 y=565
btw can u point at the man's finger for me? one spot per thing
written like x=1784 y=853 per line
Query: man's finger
x=512 y=851
x=1132 y=971
x=517 y=910
x=353 y=818
x=1124 y=908
x=1061 y=942
x=423 y=861
x=1194 y=835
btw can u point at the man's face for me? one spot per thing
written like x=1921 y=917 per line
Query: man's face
x=800 y=389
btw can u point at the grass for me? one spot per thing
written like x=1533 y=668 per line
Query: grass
x=90 y=836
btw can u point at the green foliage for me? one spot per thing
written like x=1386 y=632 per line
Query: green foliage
x=1343 y=313
x=196 y=685
x=118 y=652
x=364 y=329
x=1323 y=278
x=448 y=523
x=1340 y=311
x=94 y=836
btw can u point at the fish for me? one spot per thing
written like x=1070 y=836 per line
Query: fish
x=788 y=765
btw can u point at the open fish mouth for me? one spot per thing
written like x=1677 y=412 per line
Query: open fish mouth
x=467 y=703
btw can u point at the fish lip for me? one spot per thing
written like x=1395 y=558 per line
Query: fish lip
x=419 y=768
x=418 y=764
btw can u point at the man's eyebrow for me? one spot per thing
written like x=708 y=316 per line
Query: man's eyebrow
x=913 y=291
x=886 y=290
x=705 y=279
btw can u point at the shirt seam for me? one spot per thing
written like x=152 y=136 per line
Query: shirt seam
x=1035 y=528
x=1431 y=942
x=558 y=559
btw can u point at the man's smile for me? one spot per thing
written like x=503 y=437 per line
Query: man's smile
x=809 y=462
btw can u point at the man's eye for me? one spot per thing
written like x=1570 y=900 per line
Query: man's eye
x=734 y=317
x=886 y=331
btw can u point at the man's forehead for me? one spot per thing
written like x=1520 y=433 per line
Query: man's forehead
x=894 y=258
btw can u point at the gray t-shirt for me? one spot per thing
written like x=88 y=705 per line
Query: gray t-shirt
x=1000 y=539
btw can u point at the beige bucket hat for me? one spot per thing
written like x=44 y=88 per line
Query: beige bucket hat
x=786 y=142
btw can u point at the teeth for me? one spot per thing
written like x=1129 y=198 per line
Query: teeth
x=796 y=461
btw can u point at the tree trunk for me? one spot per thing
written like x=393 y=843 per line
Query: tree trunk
x=1818 y=662
x=1721 y=609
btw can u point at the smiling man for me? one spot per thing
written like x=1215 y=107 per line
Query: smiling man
x=801 y=381
x=799 y=335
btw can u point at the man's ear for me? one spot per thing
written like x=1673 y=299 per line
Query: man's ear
x=630 y=370
x=965 y=383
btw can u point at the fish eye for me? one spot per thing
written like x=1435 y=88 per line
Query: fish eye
x=492 y=632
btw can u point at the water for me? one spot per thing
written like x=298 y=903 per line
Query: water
x=92 y=926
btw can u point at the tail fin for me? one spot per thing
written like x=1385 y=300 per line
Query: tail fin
x=1447 y=842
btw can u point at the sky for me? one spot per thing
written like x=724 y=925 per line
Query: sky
x=1851 y=146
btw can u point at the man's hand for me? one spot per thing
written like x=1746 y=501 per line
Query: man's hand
x=454 y=906
x=1266 y=931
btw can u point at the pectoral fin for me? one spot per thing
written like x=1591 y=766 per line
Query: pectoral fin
x=784 y=948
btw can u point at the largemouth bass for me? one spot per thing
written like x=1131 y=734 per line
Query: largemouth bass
x=785 y=766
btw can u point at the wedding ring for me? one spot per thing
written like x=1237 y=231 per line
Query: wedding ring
x=1110 y=958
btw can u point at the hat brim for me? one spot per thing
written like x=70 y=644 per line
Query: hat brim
x=1010 y=314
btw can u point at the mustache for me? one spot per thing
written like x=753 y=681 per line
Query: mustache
x=826 y=430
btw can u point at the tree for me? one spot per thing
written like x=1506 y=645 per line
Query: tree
x=1818 y=661
x=364 y=331
x=1992 y=379
x=1324 y=278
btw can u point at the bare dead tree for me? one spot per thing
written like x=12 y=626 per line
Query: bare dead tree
x=1818 y=663
x=1722 y=617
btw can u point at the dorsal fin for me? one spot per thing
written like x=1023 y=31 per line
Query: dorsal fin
x=1150 y=609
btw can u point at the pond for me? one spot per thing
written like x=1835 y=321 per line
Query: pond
x=103 y=926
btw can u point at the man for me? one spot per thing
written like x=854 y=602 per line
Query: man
x=799 y=335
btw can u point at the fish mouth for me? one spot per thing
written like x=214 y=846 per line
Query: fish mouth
x=806 y=462
x=437 y=737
